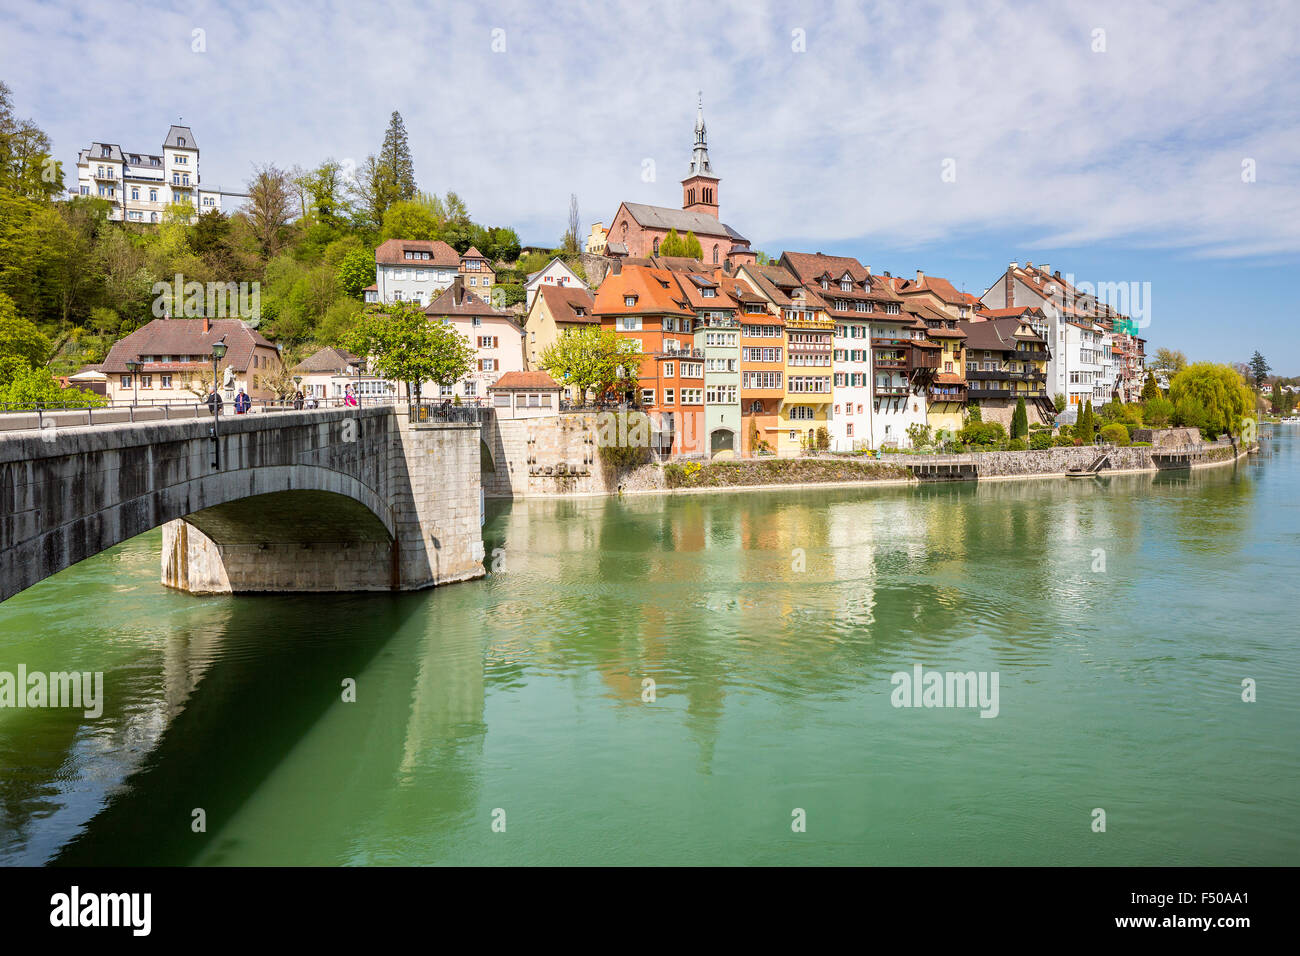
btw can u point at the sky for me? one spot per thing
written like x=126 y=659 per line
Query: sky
x=1147 y=143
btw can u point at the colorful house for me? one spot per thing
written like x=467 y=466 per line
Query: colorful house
x=496 y=337
x=647 y=304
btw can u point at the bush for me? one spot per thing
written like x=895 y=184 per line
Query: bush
x=1116 y=433
x=1159 y=412
x=1040 y=440
x=674 y=475
x=1141 y=444
x=982 y=433
x=1017 y=444
x=1067 y=431
x=1063 y=441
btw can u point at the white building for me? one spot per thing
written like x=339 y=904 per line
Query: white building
x=850 y=424
x=419 y=270
x=142 y=185
x=555 y=273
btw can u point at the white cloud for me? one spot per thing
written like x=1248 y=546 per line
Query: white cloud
x=845 y=141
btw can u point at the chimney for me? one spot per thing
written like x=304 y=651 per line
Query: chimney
x=1009 y=287
x=868 y=268
x=458 y=290
x=1044 y=267
x=887 y=275
x=207 y=326
x=920 y=276
x=1057 y=273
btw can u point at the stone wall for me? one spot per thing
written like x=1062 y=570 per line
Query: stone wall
x=1168 y=437
x=544 y=457
x=302 y=500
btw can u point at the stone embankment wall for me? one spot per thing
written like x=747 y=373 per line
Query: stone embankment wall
x=544 y=457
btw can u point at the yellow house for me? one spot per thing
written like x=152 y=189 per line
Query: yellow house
x=806 y=407
x=555 y=310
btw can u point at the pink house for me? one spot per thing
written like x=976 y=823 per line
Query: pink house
x=498 y=340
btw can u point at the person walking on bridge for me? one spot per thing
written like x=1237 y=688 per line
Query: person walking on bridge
x=297 y=400
x=214 y=401
x=242 y=402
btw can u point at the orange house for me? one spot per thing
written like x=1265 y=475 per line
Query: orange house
x=762 y=371
x=646 y=304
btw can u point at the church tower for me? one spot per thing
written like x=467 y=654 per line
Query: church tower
x=700 y=188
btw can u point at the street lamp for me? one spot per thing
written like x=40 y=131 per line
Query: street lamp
x=133 y=366
x=218 y=353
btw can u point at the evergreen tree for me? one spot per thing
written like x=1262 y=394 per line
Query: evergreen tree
x=1086 y=429
x=1259 y=369
x=1020 y=420
x=1150 y=390
x=395 y=158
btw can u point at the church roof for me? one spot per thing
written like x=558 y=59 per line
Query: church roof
x=661 y=217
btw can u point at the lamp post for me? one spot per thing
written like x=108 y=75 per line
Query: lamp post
x=133 y=367
x=218 y=353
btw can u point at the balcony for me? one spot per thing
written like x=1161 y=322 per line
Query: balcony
x=897 y=363
x=989 y=374
x=1032 y=355
x=946 y=393
x=680 y=353
x=976 y=393
x=108 y=176
x=923 y=359
x=890 y=343
x=891 y=391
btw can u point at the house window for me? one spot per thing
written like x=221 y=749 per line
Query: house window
x=656 y=247
x=647 y=396
x=668 y=395
x=146 y=381
x=669 y=370
x=126 y=381
x=135 y=192
x=164 y=381
x=629 y=300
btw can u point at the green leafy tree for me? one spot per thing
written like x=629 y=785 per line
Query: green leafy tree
x=1020 y=420
x=25 y=386
x=356 y=271
x=675 y=245
x=20 y=338
x=404 y=346
x=1059 y=401
x=395 y=159
x=1115 y=433
x=593 y=359
x=1158 y=412
x=1219 y=391
x=411 y=219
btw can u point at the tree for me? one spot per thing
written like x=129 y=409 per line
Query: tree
x=1150 y=390
x=973 y=414
x=395 y=161
x=675 y=245
x=20 y=338
x=1020 y=420
x=270 y=203
x=1219 y=391
x=356 y=271
x=591 y=359
x=1086 y=428
x=1169 y=361
x=404 y=346
x=411 y=219
x=33 y=387
x=1059 y=401
x=570 y=244
x=1259 y=369
x=1158 y=412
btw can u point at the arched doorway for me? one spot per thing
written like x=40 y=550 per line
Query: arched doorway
x=722 y=440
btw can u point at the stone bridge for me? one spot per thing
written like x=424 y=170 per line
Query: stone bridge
x=324 y=500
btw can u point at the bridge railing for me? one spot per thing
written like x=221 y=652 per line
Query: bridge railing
x=17 y=416
x=447 y=412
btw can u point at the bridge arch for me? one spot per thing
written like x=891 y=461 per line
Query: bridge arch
x=347 y=499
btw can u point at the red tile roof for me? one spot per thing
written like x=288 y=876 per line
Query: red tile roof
x=564 y=301
x=656 y=292
x=524 y=380
x=186 y=337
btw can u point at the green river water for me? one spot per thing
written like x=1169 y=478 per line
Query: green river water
x=770 y=624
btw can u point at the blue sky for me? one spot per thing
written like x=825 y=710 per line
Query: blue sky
x=1115 y=155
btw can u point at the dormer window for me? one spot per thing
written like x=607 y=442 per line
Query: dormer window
x=708 y=293
x=845 y=284
x=825 y=284
x=105 y=152
x=629 y=300
x=180 y=141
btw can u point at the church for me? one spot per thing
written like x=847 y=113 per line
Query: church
x=638 y=229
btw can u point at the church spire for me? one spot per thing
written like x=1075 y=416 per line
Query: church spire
x=700 y=158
